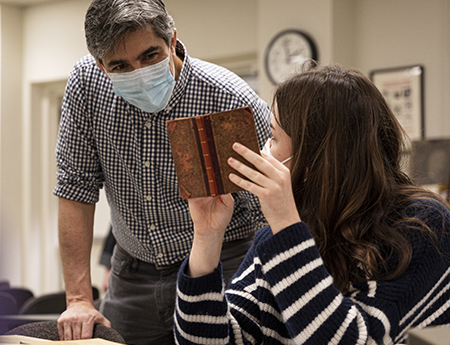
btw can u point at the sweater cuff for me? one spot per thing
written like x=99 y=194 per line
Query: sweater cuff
x=208 y=283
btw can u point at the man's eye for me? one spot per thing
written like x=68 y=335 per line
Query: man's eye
x=118 y=68
x=150 y=56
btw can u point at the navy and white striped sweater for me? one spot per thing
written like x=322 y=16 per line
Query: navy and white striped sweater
x=282 y=294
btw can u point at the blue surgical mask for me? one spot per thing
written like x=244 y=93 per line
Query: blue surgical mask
x=148 y=88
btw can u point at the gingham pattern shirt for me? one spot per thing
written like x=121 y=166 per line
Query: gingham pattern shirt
x=104 y=140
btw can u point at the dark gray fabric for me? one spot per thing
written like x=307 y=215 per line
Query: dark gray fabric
x=49 y=330
x=140 y=299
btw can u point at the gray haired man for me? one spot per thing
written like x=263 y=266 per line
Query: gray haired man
x=113 y=134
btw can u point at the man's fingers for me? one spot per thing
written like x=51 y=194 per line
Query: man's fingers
x=61 y=331
x=87 y=329
x=66 y=330
x=76 y=331
x=78 y=322
x=106 y=322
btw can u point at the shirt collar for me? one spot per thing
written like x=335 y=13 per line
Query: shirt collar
x=183 y=78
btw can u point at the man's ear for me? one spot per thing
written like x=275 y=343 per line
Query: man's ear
x=101 y=67
x=173 y=41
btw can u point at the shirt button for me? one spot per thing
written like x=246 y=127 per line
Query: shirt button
x=160 y=255
x=148 y=197
x=152 y=227
x=148 y=124
x=147 y=164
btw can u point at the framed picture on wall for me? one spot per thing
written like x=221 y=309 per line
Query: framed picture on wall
x=402 y=87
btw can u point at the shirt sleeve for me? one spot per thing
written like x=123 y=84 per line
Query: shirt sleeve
x=79 y=175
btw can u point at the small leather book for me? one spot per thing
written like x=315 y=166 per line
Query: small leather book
x=201 y=146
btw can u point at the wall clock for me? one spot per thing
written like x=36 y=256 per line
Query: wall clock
x=288 y=49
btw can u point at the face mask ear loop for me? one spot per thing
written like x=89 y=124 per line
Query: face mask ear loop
x=104 y=70
x=287 y=160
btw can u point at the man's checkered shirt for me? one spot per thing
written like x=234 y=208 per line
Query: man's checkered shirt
x=103 y=140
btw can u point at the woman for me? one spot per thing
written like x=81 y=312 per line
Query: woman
x=354 y=252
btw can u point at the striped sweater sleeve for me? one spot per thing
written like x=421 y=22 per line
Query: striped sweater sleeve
x=313 y=311
x=201 y=311
x=283 y=294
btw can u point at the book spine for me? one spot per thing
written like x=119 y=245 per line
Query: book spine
x=198 y=140
x=206 y=146
x=213 y=154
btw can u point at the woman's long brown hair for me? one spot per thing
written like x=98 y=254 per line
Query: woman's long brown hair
x=346 y=175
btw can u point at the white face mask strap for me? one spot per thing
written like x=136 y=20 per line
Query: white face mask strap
x=287 y=160
x=104 y=70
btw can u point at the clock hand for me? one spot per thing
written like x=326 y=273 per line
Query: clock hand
x=286 y=50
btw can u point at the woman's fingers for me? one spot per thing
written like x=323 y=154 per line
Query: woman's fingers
x=256 y=159
x=270 y=182
x=265 y=179
x=246 y=184
x=266 y=167
x=253 y=175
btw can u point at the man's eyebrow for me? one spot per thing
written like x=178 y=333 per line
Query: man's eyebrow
x=150 y=50
x=113 y=63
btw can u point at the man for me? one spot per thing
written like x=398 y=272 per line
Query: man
x=113 y=133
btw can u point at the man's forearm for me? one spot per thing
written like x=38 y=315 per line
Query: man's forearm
x=75 y=227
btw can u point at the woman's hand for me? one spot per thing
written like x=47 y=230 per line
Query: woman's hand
x=271 y=183
x=211 y=216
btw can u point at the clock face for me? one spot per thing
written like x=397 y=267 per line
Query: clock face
x=288 y=50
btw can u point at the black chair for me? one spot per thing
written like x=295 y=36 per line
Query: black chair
x=8 y=305
x=4 y=284
x=54 y=303
x=49 y=330
x=21 y=295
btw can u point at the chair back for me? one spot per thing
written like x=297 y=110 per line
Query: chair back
x=49 y=330
x=54 y=303
x=8 y=305
x=4 y=284
x=21 y=295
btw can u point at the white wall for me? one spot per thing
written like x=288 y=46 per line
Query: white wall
x=216 y=29
x=408 y=32
x=370 y=35
x=11 y=207
x=40 y=44
x=53 y=39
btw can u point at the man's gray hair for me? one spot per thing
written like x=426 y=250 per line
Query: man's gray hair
x=109 y=21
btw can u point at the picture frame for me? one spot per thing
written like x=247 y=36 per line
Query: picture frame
x=402 y=87
x=430 y=165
